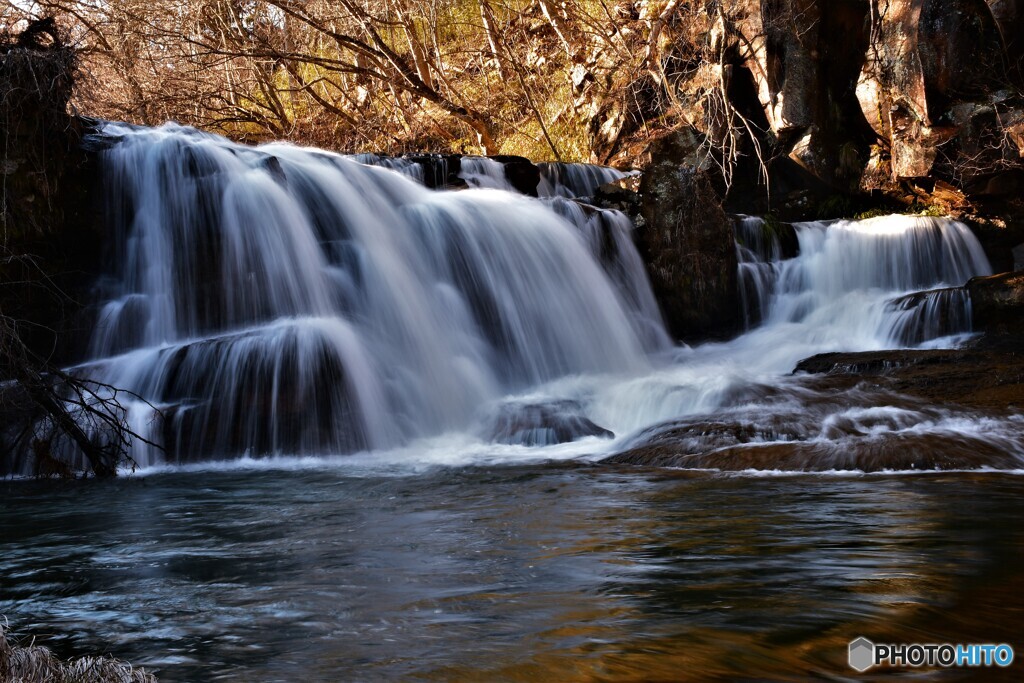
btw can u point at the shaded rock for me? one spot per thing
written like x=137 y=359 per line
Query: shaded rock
x=999 y=238
x=867 y=363
x=960 y=49
x=541 y=424
x=688 y=241
x=521 y=173
x=49 y=214
x=790 y=69
x=998 y=303
x=439 y=170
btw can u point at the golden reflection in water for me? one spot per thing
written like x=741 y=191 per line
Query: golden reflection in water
x=889 y=588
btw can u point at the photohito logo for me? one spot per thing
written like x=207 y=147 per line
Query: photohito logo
x=865 y=654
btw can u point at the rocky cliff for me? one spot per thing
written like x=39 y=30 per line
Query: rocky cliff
x=807 y=102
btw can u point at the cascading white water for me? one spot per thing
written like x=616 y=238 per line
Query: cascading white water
x=403 y=166
x=569 y=181
x=609 y=235
x=574 y=180
x=481 y=172
x=758 y=252
x=288 y=300
x=847 y=271
x=843 y=291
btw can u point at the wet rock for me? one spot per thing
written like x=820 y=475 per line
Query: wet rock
x=688 y=241
x=869 y=363
x=521 y=173
x=439 y=170
x=825 y=425
x=897 y=453
x=622 y=196
x=988 y=374
x=541 y=424
x=998 y=303
x=273 y=167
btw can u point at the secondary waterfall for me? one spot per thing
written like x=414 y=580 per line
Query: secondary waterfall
x=826 y=287
x=285 y=300
x=853 y=278
x=574 y=180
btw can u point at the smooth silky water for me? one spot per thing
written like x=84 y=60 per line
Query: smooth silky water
x=350 y=485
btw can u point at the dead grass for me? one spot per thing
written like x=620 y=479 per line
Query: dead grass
x=35 y=664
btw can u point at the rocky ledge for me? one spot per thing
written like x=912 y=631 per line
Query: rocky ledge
x=987 y=373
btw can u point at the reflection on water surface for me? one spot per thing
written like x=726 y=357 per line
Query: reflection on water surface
x=563 y=572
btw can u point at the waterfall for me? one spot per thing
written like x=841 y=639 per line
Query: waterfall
x=758 y=252
x=403 y=166
x=285 y=300
x=846 y=286
x=280 y=300
x=848 y=274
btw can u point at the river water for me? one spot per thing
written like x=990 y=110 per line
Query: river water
x=302 y=570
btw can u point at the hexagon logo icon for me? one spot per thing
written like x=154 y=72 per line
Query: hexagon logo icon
x=862 y=654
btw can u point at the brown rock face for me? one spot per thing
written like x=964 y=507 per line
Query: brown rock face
x=939 y=87
x=813 y=55
x=688 y=242
x=845 y=98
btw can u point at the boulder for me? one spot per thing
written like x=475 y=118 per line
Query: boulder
x=520 y=172
x=688 y=241
x=541 y=424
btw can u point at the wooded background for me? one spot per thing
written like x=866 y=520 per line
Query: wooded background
x=544 y=79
